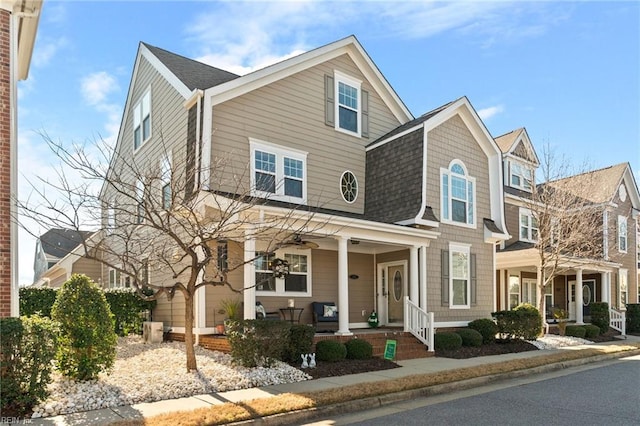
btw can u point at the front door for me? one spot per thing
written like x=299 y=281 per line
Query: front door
x=588 y=296
x=572 y=300
x=392 y=289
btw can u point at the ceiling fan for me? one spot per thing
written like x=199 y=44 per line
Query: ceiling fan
x=296 y=240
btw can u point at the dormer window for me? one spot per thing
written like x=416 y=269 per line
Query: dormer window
x=520 y=176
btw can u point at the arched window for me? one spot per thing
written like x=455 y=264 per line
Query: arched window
x=458 y=194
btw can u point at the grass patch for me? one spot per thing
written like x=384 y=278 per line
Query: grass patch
x=247 y=410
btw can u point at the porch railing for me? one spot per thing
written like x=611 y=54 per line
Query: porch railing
x=419 y=323
x=617 y=321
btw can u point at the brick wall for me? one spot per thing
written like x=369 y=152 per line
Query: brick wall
x=5 y=165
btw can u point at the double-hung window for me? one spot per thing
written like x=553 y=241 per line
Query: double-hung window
x=457 y=195
x=348 y=105
x=278 y=172
x=623 y=289
x=622 y=234
x=142 y=120
x=528 y=226
x=514 y=291
x=521 y=176
x=111 y=217
x=140 y=208
x=116 y=279
x=460 y=276
x=296 y=283
x=165 y=178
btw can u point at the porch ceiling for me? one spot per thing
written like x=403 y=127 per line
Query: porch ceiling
x=528 y=260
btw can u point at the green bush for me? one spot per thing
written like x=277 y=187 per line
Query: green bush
x=523 y=322
x=359 y=349
x=447 y=341
x=87 y=343
x=257 y=343
x=127 y=309
x=600 y=315
x=576 y=331
x=591 y=331
x=486 y=327
x=470 y=337
x=300 y=342
x=330 y=351
x=27 y=347
x=633 y=318
x=37 y=301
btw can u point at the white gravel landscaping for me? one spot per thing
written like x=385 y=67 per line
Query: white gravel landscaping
x=553 y=341
x=153 y=372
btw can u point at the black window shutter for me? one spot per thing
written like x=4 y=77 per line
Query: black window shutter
x=444 y=267
x=365 y=114
x=329 y=104
x=474 y=281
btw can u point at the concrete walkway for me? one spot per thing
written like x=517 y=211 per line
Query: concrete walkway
x=408 y=368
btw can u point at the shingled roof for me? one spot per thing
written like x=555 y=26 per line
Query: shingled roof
x=59 y=242
x=194 y=74
x=506 y=141
x=608 y=179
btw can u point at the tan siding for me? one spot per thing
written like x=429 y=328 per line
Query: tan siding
x=90 y=268
x=627 y=260
x=362 y=290
x=290 y=112
x=171 y=313
x=512 y=217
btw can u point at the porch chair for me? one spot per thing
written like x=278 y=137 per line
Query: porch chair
x=325 y=316
x=261 y=313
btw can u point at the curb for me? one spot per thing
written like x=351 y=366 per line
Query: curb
x=297 y=417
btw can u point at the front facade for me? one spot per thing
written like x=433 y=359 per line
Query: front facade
x=610 y=276
x=319 y=132
x=18 y=26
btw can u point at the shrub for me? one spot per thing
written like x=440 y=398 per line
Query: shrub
x=600 y=315
x=330 y=351
x=257 y=343
x=300 y=341
x=486 y=327
x=27 y=345
x=37 y=301
x=591 y=331
x=87 y=343
x=633 y=318
x=127 y=308
x=447 y=341
x=359 y=349
x=576 y=331
x=523 y=322
x=470 y=337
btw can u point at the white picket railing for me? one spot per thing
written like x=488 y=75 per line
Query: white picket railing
x=617 y=321
x=419 y=323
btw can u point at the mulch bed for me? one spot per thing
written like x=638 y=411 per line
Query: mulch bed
x=349 y=366
x=498 y=348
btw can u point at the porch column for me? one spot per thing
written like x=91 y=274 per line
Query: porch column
x=578 y=301
x=413 y=274
x=343 y=288
x=423 y=278
x=249 y=271
x=604 y=287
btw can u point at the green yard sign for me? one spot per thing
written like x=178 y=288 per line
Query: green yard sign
x=390 y=349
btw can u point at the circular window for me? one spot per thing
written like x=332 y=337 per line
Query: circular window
x=586 y=295
x=397 y=286
x=349 y=187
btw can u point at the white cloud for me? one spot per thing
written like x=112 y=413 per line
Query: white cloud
x=96 y=89
x=46 y=49
x=487 y=113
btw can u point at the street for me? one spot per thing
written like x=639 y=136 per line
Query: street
x=606 y=393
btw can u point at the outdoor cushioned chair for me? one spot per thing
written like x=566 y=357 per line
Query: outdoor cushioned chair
x=261 y=313
x=325 y=315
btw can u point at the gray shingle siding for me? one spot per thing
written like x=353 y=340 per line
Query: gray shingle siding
x=394 y=179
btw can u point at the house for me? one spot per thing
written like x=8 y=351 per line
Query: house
x=18 y=27
x=406 y=212
x=607 y=274
x=58 y=255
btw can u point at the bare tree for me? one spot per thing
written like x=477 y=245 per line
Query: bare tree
x=566 y=224
x=158 y=219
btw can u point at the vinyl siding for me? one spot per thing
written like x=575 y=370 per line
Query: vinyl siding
x=627 y=260
x=90 y=268
x=512 y=219
x=290 y=113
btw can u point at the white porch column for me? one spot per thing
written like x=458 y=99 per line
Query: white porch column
x=503 y=293
x=578 y=301
x=539 y=292
x=605 y=288
x=249 y=271
x=423 y=277
x=413 y=274
x=343 y=288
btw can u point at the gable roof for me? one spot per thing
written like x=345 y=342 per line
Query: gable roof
x=194 y=74
x=58 y=242
x=516 y=143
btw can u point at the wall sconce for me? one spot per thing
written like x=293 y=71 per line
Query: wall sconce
x=291 y=303
x=354 y=276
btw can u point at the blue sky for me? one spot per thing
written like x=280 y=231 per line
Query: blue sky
x=567 y=71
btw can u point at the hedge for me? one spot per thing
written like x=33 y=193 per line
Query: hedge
x=633 y=318
x=523 y=322
x=257 y=343
x=600 y=315
x=37 y=301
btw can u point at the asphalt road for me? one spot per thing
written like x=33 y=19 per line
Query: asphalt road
x=606 y=393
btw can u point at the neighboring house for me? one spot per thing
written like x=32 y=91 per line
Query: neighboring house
x=59 y=254
x=18 y=27
x=611 y=276
x=410 y=207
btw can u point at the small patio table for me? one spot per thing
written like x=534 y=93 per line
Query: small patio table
x=293 y=318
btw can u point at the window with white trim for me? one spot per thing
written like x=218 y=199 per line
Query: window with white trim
x=165 y=178
x=622 y=234
x=459 y=273
x=111 y=217
x=118 y=280
x=521 y=176
x=514 y=291
x=529 y=291
x=142 y=120
x=528 y=226
x=140 y=201
x=458 y=195
x=623 y=289
x=348 y=110
x=278 y=172
x=605 y=235
x=296 y=283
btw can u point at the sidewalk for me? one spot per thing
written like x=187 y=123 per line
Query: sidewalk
x=408 y=368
